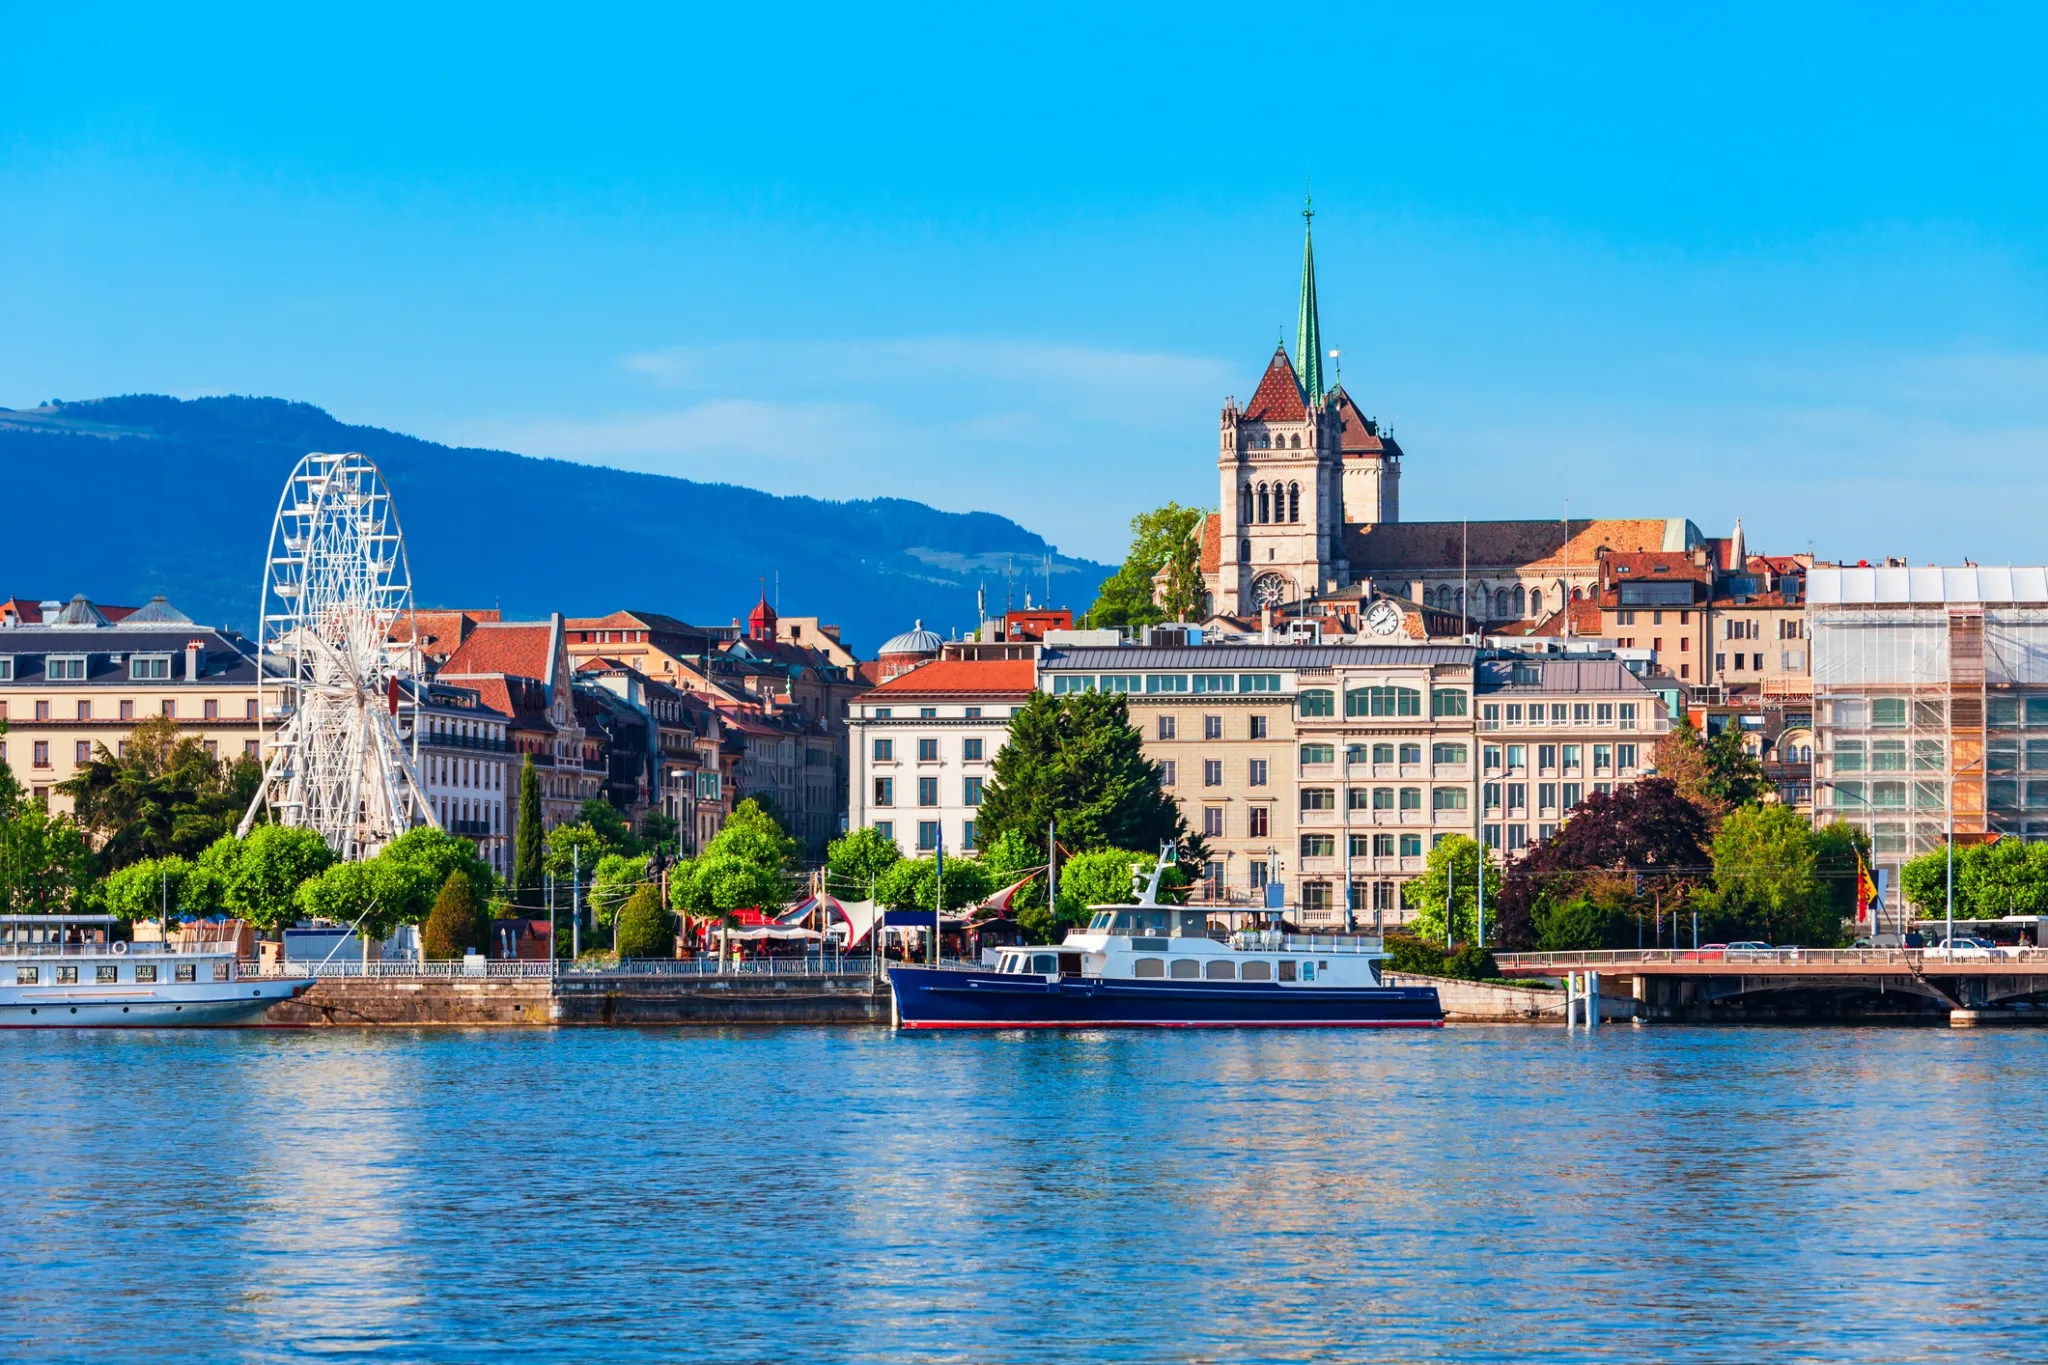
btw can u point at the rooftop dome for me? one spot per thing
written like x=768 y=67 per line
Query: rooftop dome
x=916 y=640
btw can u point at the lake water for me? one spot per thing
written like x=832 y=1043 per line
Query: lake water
x=1513 y=1194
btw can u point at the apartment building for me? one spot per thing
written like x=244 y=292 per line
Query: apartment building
x=1552 y=731
x=1930 y=701
x=465 y=763
x=924 y=744
x=74 y=675
x=1327 y=770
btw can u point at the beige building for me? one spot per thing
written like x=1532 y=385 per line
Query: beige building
x=74 y=676
x=1329 y=770
x=924 y=744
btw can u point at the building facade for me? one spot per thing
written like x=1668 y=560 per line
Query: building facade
x=75 y=677
x=464 y=758
x=924 y=745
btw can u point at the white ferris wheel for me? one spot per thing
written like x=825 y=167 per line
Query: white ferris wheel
x=335 y=582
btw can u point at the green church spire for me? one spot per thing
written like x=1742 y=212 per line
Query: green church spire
x=1308 y=332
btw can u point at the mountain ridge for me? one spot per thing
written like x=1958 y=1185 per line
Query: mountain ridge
x=701 y=551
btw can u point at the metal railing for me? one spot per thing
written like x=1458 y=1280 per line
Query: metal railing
x=542 y=970
x=1910 y=958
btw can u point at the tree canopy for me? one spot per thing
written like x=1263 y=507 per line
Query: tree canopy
x=646 y=929
x=1451 y=877
x=746 y=864
x=162 y=794
x=856 y=860
x=454 y=926
x=1645 y=830
x=2004 y=877
x=1166 y=540
x=261 y=875
x=911 y=883
x=1717 y=774
x=1078 y=760
x=1767 y=880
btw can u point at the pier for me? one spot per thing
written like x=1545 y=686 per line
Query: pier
x=1690 y=985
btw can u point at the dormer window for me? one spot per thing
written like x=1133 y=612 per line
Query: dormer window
x=65 y=668
x=6 y=668
x=149 y=667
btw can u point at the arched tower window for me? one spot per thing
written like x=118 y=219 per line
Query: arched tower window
x=1244 y=505
x=1500 y=603
x=1294 y=502
x=1296 y=443
x=1521 y=603
x=1262 y=505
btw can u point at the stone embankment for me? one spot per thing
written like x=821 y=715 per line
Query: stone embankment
x=594 y=998
x=1482 y=1002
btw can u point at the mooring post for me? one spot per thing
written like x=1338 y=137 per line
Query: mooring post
x=1571 y=1000
x=1592 y=1000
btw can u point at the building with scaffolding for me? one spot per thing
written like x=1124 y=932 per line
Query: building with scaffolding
x=1931 y=704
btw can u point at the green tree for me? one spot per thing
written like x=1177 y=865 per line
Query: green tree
x=378 y=890
x=454 y=926
x=659 y=831
x=145 y=890
x=1160 y=578
x=1839 y=850
x=611 y=826
x=911 y=884
x=745 y=865
x=2005 y=877
x=45 y=862
x=1717 y=774
x=646 y=929
x=1451 y=877
x=1767 y=878
x=529 y=851
x=856 y=860
x=1103 y=877
x=1009 y=856
x=574 y=852
x=615 y=878
x=261 y=875
x=1078 y=760
x=428 y=857
x=164 y=794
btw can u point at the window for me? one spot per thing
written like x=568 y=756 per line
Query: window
x=1121 y=682
x=1318 y=845
x=927 y=713
x=210 y=709
x=970 y=750
x=928 y=751
x=170 y=707
x=145 y=971
x=1603 y=713
x=1889 y=755
x=1546 y=757
x=970 y=789
x=885 y=791
x=1257 y=774
x=1518 y=756
x=1546 y=796
x=1318 y=798
x=885 y=750
x=1491 y=794
x=1316 y=701
x=1447 y=753
x=1411 y=846
x=1446 y=701
x=1489 y=716
x=887 y=829
x=1212 y=727
x=1383 y=701
x=249 y=709
x=1574 y=792
x=1258 y=682
x=1169 y=773
x=184 y=971
x=85 y=710
x=81 y=752
x=972 y=713
x=1848 y=795
x=1625 y=757
x=1411 y=753
x=64 y=668
x=1383 y=753
x=1361 y=845
x=1489 y=755
x=1888 y=712
x=1382 y=798
x=1518 y=796
x=250 y=749
x=967 y=834
x=1261 y=822
x=1382 y=845
x=1447 y=799
x=1166 y=682
x=1927 y=755
x=1166 y=727
x=6 y=668
x=927 y=835
x=105 y=972
x=1318 y=753
x=1892 y=795
x=42 y=753
x=1582 y=713
x=1258 y=727
x=1603 y=759
x=1628 y=715
x=1849 y=756
x=1214 y=682
x=128 y=710
x=1212 y=822
x=1212 y=772
x=42 y=710
x=1411 y=798
x=1063 y=683
x=927 y=791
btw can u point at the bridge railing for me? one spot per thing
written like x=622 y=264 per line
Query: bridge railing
x=1603 y=959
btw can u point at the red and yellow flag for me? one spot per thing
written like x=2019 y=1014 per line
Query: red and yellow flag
x=1866 y=890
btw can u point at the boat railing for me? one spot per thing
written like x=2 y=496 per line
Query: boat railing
x=541 y=969
x=119 y=948
x=1274 y=941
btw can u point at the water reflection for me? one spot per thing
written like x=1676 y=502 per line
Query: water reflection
x=1506 y=1194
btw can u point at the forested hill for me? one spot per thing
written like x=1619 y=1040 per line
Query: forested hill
x=122 y=498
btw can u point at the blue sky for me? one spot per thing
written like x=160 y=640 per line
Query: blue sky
x=1779 y=262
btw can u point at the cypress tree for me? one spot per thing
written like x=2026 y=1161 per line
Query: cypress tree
x=646 y=928
x=528 y=849
x=454 y=927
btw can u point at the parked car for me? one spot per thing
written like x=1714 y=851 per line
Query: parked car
x=1959 y=946
x=1750 y=945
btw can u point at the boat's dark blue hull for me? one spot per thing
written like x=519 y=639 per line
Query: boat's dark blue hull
x=937 y=997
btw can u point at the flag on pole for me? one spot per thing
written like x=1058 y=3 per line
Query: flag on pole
x=1866 y=891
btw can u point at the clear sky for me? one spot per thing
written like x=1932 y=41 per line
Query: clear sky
x=1777 y=262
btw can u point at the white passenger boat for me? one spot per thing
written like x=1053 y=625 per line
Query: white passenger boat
x=1158 y=966
x=69 y=971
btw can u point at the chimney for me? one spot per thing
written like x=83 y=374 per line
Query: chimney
x=195 y=659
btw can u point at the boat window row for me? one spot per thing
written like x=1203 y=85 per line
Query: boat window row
x=1223 y=969
x=1150 y=923
x=108 y=973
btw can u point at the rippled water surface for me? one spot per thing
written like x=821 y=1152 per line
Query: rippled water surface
x=823 y=1195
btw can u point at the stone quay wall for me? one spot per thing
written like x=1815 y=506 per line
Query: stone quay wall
x=586 y=999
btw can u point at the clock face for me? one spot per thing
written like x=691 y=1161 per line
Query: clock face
x=1383 y=619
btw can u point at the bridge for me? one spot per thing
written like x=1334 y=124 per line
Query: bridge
x=1971 y=987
